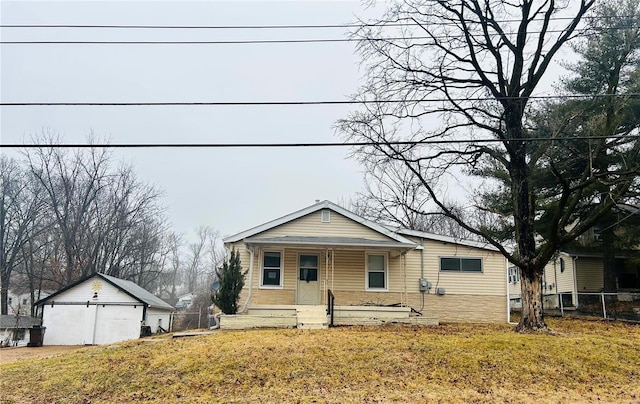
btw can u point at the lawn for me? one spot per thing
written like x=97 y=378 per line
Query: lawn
x=581 y=361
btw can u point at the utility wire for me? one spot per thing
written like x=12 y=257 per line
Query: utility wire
x=237 y=42
x=257 y=41
x=319 y=144
x=285 y=26
x=302 y=103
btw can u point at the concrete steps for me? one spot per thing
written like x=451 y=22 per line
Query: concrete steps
x=312 y=317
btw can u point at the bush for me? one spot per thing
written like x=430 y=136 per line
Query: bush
x=231 y=283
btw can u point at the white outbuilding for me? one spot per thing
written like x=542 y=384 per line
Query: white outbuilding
x=102 y=309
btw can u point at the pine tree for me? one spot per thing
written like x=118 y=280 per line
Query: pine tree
x=231 y=283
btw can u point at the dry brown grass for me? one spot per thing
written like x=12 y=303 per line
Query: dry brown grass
x=583 y=361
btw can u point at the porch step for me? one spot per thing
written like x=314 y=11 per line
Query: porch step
x=311 y=317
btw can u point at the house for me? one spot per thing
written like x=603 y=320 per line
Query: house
x=22 y=301
x=101 y=309
x=295 y=260
x=14 y=329
x=575 y=276
x=184 y=301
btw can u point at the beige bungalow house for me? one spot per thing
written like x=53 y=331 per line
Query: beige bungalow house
x=300 y=260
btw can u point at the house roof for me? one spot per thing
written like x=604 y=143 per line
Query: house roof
x=329 y=241
x=9 y=321
x=314 y=208
x=446 y=239
x=130 y=288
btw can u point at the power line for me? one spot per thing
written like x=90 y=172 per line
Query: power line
x=258 y=27
x=303 y=103
x=232 y=42
x=318 y=144
x=256 y=41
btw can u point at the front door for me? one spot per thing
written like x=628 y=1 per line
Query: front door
x=308 y=274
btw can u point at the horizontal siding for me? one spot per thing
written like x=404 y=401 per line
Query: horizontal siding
x=311 y=226
x=562 y=281
x=589 y=274
x=492 y=281
x=84 y=291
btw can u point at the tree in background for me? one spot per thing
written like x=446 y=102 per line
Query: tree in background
x=231 y=283
x=21 y=211
x=475 y=66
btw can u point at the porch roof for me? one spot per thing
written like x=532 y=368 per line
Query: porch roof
x=330 y=242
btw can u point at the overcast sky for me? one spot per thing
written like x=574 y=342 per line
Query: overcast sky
x=228 y=189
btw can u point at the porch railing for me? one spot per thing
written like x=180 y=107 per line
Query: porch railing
x=331 y=299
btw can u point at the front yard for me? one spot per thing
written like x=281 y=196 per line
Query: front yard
x=583 y=361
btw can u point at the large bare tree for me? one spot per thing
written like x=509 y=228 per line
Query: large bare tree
x=21 y=206
x=451 y=86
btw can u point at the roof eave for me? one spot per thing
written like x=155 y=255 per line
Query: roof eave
x=311 y=209
x=409 y=246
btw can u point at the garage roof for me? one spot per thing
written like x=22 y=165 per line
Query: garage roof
x=130 y=288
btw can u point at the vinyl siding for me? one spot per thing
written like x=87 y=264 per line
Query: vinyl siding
x=84 y=292
x=492 y=281
x=589 y=274
x=564 y=281
x=311 y=226
x=469 y=296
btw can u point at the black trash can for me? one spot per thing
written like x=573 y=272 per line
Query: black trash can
x=36 y=335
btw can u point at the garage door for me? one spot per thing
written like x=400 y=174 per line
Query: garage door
x=96 y=324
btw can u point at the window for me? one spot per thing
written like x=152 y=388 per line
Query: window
x=377 y=272
x=272 y=268
x=309 y=268
x=562 y=265
x=325 y=216
x=10 y=301
x=461 y=264
x=514 y=275
x=24 y=301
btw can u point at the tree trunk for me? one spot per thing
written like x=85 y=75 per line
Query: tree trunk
x=609 y=253
x=531 y=296
x=4 y=293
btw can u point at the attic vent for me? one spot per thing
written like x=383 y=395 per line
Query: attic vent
x=326 y=216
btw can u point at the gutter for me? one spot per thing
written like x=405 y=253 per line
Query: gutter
x=246 y=303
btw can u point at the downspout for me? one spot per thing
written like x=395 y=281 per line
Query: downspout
x=246 y=303
x=422 y=258
x=422 y=270
x=404 y=272
x=509 y=294
x=575 y=281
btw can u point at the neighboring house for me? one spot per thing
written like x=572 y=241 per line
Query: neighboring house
x=577 y=270
x=296 y=259
x=101 y=309
x=575 y=273
x=14 y=330
x=21 y=300
x=185 y=301
x=558 y=282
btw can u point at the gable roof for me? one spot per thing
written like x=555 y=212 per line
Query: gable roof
x=446 y=239
x=130 y=288
x=9 y=321
x=314 y=208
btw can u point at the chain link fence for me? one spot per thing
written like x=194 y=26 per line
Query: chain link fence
x=613 y=306
x=190 y=320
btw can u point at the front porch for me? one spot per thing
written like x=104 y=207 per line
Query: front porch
x=316 y=317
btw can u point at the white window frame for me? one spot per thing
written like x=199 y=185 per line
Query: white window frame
x=317 y=268
x=448 y=271
x=386 y=272
x=281 y=285
x=325 y=216
x=514 y=275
